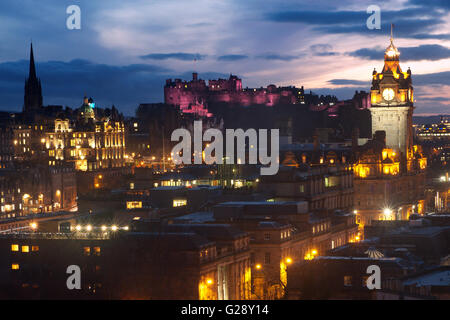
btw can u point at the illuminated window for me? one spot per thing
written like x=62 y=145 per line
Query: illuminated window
x=347 y=281
x=97 y=251
x=34 y=248
x=87 y=251
x=179 y=202
x=364 y=281
x=14 y=247
x=15 y=266
x=134 y=204
x=25 y=249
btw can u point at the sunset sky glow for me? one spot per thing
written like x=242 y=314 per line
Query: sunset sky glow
x=126 y=49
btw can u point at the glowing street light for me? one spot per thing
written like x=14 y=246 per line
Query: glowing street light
x=288 y=260
x=88 y=227
x=114 y=228
x=78 y=228
x=387 y=213
x=33 y=225
x=258 y=266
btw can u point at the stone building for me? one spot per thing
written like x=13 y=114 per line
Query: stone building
x=119 y=264
x=389 y=170
x=282 y=233
x=320 y=176
x=37 y=190
x=89 y=139
x=195 y=95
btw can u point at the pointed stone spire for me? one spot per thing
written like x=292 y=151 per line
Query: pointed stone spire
x=33 y=87
x=32 y=72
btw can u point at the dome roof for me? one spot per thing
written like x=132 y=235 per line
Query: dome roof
x=374 y=253
x=388 y=160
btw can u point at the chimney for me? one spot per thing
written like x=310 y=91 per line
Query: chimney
x=380 y=136
x=316 y=141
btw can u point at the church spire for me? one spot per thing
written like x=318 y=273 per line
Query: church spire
x=33 y=89
x=32 y=72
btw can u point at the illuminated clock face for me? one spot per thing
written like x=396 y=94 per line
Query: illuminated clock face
x=388 y=94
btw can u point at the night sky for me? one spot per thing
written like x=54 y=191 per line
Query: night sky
x=126 y=49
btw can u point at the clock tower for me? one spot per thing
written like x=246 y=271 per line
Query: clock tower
x=392 y=102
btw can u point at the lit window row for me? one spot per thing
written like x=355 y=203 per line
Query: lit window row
x=25 y=248
x=90 y=228
x=95 y=251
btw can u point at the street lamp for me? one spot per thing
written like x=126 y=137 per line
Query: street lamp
x=387 y=213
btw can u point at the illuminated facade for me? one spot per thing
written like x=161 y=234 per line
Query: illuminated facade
x=392 y=98
x=387 y=186
x=282 y=233
x=91 y=144
x=195 y=95
x=37 y=190
x=389 y=170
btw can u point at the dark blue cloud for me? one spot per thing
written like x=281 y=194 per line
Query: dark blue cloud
x=346 y=17
x=420 y=80
x=404 y=28
x=444 y=4
x=437 y=36
x=318 y=17
x=349 y=82
x=232 y=57
x=430 y=52
x=276 y=56
x=177 y=56
x=65 y=83
x=412 y=22
x=322 y=50
x=438 y=78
